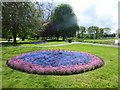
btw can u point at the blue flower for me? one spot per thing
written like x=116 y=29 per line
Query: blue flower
x=45 y=58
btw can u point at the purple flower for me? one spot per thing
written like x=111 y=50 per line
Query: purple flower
x=55 y=62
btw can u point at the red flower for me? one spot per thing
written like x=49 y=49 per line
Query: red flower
x=65 y=60
x=58 y=49
x=80 y=59
x=48 y=60
x=41 y=52
x=54 y=55
x=53 y=50
x=73 y=61
x=25 y=57
x=44 y=56
x=40 y=59
x=72 y=53
x=33 y=59
x=56 y=62
x=62 y=49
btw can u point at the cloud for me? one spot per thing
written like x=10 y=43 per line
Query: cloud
x=102 y=13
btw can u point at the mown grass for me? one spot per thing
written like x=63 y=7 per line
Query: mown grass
x=28 y=43
x=100 y=41
x=104 y=77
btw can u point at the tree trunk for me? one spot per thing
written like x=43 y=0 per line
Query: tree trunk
x=57 y=38
x=96 y=36
x=23 y=39
x=82 y=35
x=14 y=37
x=37 y=38
x=63 y=38
x=43 y=38
x=46 y=38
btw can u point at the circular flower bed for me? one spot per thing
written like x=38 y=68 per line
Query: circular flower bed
x=37 y=42
x=55 y=62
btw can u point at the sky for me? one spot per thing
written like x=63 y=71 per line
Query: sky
x=101 y=13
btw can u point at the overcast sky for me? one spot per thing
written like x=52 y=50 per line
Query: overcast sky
x=102 y=13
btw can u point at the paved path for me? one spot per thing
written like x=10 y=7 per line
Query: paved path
x=3 y=41
x=7 y=40
x=69 y=44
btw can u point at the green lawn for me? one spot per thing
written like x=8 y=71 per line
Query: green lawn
x=100 y=41
x=27 y=43
x=2 y=39
x=104 y=77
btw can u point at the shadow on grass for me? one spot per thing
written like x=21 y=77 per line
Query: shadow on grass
x=54 y=40
x=14 y=44
x=5 y=44
x=20 y=43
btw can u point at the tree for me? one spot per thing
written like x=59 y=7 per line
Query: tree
x=65 y=20
x=49 y=30
x=82 y=30
x=101 y=32
x=96 y=31
x=19 y=18
x=47 y=8
x=93 y=30
x=106 y=31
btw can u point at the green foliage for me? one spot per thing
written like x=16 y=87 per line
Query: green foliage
x=81 y=31
x=50 y=30
x=46 y=8
x=100 y=41
x=93 y=30
x=65 y=20
x=27 y=42
x=106 y=30
x=19 y=18
x=96 y=32
x=101 y=30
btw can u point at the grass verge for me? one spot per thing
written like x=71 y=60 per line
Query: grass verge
x=27 y=43
x=104 y=77
x=100 y=41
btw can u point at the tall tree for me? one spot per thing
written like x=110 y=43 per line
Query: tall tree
x=93 y=30
x=47 y=8
x=96 y=31
x=50 y=30
x=107 y=30
x=82 y=30
x=18 y=17
x=101 y=32
x=65 y=20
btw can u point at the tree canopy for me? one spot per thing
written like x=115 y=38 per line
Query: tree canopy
x=65 y=19
x=82 y=30
x=19 y=18
x=93 y=30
